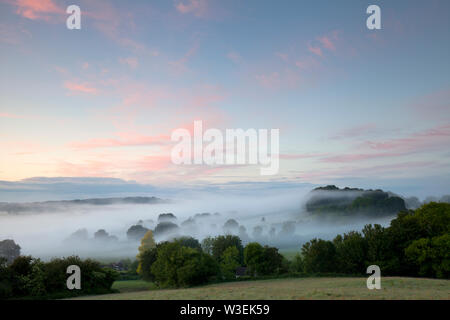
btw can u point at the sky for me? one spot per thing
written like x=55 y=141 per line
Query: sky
x=355 y=107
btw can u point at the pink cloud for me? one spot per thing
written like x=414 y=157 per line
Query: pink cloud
x=80 y=87
x=315 y=50
x=9 y=115
x=358 y=157
x=355 y=131
x=327 y=43
x=424 y=141
x=301 y=156
x=196 y=7
x=37 y=9
x=415 y=142
x=125 y=140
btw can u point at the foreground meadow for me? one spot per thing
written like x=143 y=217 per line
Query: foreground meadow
x=287 y=289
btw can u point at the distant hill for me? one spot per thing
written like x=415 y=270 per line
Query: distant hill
x=332 y=201
x=49 y=206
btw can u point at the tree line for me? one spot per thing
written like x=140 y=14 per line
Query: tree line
x=417 y=243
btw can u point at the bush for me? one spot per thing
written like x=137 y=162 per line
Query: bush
x=319 y=256
x=31 y=278
x=350 y=253
x=146 y=260
x=229 y=262
x=221 y=243
x=263 y=261
x=432 y=256
x=179 y=266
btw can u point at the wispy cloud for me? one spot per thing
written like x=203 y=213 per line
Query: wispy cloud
x=124 y=140
x=196 y=7
x=37 y=9
x=78 y=87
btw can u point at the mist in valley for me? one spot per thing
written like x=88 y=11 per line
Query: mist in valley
x=277 y=218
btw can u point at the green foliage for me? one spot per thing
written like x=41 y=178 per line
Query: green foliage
x=432 y=256
x=146 y=260
x=147 y=244
x=189 y=242
x=179 y=266
x=297 y=265
x=221 y=243
x=350 y=253
x=319 y=256
x=263 y=261
x=229 y=261
x=415 y=244
x=32 y=278
x=207 y=245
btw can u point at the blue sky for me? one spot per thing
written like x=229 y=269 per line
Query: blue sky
x=367 y=108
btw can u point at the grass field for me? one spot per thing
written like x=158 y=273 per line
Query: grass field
x=288 y=289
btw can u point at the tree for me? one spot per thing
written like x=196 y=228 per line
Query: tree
x=288 y=229
x=263 y=260
x=207 y=245
x=221 y=243
x=166 y=228
x=431 y=256
x=319 y=256
x=297 y=264
x=253 y=258
x=257 y=232
x=9 y=250
x=167 y=217
x=147 y=242
x=179 y=266
x=146 y=255
x=231 y=226
x=350 y=253
x=145 y=262
x=229 y=262
x=136 y=232
x=378 y=247
x=189 y=242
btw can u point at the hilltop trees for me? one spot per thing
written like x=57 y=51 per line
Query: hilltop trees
x=331 y=201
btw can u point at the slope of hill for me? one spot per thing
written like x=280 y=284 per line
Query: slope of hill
x=48 y=206
x=287 y=289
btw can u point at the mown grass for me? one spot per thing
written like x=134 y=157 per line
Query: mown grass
x=133 y=286
x=288 y=289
